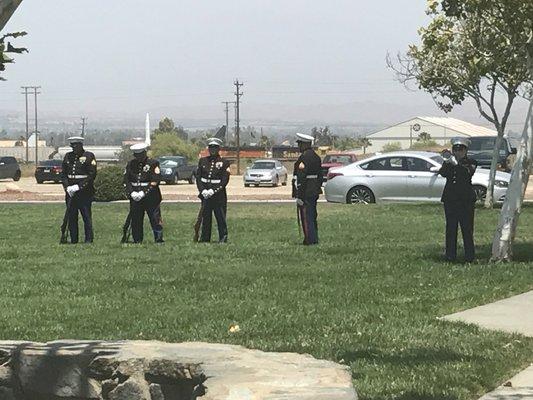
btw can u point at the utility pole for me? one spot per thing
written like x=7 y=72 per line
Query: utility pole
x=25 y=93
x=238 y=95
x=226 y=109
x=36 y=126
x=83 y=119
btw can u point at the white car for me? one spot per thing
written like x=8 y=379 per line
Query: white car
x=265 y=172
x=401 y=176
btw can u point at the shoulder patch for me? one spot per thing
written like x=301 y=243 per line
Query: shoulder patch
x=93 y=162
x=301 y=166
x=228 y=170
x=157 y=170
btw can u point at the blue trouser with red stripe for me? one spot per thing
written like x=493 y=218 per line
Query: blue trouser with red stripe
x=308 y=217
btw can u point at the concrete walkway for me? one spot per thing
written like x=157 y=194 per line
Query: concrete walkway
x=513 y=315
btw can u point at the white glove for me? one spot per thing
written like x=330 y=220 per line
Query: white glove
x=299 y=202
x=140 y=195
x=72 y=189
x=207 y=193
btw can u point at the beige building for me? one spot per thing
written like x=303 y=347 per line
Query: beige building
x=440 y=129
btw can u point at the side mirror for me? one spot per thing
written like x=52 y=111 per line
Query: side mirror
x=513 y=150
x=434 y=169
x=1 y=163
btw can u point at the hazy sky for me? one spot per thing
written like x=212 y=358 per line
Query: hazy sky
x=141 y=54
x=121 y=56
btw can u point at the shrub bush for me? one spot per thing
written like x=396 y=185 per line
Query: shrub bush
x=392 y=146
x=108 y=184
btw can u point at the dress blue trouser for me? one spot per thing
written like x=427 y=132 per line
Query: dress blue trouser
x=83 y=205
x=217 y=207
x=459 y=214
x=308 y=217
x=137 y=209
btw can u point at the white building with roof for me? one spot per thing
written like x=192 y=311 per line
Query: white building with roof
x=440 y=129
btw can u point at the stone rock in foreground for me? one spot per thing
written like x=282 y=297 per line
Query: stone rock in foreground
x=138 y=370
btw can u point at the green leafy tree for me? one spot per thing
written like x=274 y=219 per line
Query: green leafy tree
x=166 y=125
x=364 y=143
x=346 y=143
x=324 y=136
x=7 y=48
x=473 y=49
x=266 y=142
x=168 y=144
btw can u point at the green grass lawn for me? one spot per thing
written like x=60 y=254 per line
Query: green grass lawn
x=368 y=296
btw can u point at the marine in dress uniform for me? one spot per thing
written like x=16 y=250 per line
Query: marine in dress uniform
x=459 y=198
x=78 y=174
x=307 y=186
x=211 y=179
x=141 y=180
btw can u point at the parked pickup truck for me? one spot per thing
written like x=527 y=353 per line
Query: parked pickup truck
x=176 y=168
x=482 y=147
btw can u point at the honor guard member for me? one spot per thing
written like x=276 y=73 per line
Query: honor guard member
x=141 y=179
x=78 y=173
x=459 y=198
x=307 y=186
x=212 y=177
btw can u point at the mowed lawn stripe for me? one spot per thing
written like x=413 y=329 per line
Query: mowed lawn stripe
x=368 y=296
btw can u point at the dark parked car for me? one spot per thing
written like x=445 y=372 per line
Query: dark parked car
x=481 y=149
x=49 y=170
x=176 y=168
x=9 y=168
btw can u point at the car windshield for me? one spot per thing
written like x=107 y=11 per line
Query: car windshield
x=169 y=163
x=484 y=144
x=263 y=165
x=341 y=159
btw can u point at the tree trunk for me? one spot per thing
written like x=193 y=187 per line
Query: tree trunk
x=502 y=244
x=489 y=199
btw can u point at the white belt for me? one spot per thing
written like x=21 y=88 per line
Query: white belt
x=137 y=184
x=204 y=180
x=312 y=176
x=77 y=176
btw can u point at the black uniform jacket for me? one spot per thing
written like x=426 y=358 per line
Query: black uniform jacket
x=213 y=173
x=79 y=170
x=143 y=176
x=458 y=186
x=307 y=175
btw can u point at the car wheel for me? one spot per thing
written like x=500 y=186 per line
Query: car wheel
x=176 y=179
x=169 y=182
x=284 y=183
x=480 y=192
x=360 y=195
x=192 y=179
x=246 y=185
x=275 y=182
x=40 y=181
x=17 y=176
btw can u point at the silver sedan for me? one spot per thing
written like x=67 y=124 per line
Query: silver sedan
x=401 y=176
x=265 y=172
